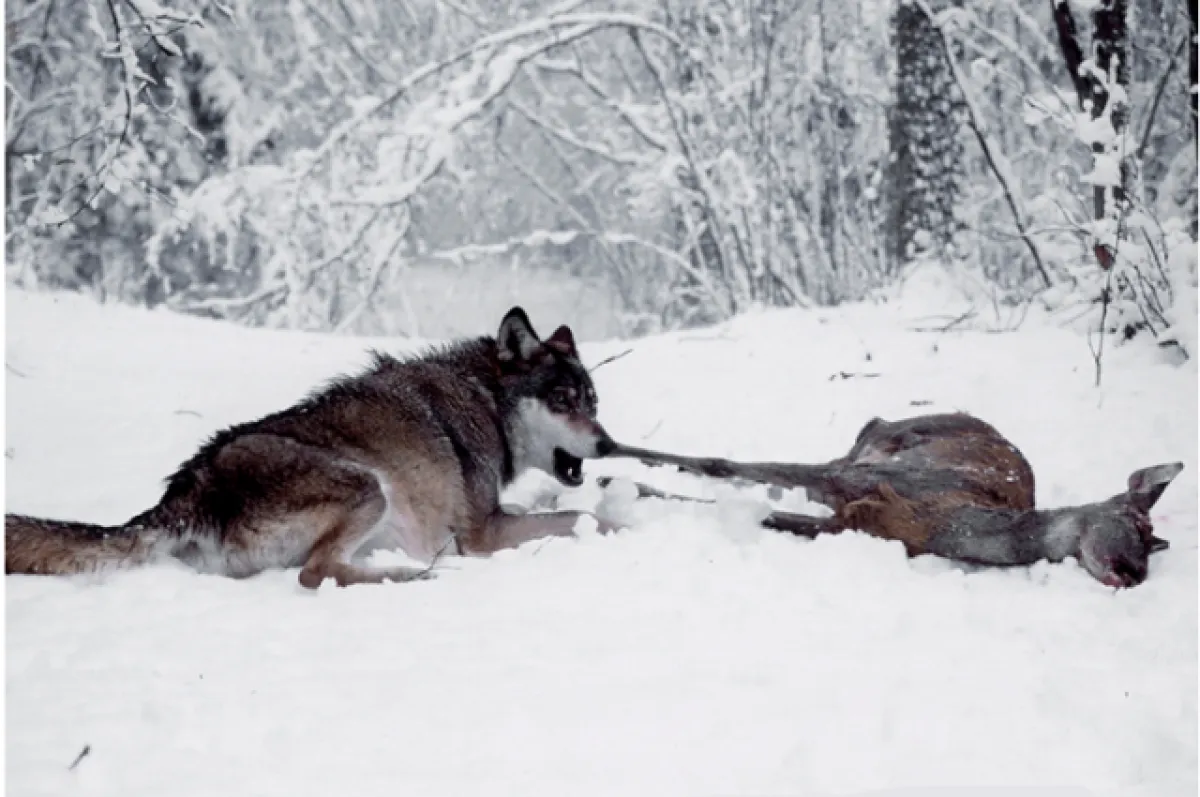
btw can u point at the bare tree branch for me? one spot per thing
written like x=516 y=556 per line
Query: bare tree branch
x=978 y=125
x=578 y=25
x=1158 y=93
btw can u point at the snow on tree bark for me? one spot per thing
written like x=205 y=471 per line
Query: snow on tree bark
x=1100 y=80
x=925 y=171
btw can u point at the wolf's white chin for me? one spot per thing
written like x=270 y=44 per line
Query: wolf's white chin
x=538 y=433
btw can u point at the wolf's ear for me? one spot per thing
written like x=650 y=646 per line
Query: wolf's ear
x=517 y=339
x=1146 y=485
x=564 y=341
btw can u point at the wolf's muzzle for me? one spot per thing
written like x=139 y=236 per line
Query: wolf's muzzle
x=605 y=445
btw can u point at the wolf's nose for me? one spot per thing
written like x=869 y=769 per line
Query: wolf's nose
x=605 y=446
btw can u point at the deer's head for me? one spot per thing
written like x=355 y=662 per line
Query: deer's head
x=1116 y=536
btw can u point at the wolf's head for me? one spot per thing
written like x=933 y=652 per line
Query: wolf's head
x=552 y=421
x=1116 y=536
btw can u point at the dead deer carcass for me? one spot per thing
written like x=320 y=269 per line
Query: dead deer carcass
x=951 y=485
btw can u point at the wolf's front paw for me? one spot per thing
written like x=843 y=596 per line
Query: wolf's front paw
x=402 y=574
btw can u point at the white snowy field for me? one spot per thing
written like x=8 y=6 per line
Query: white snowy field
x=693 y=653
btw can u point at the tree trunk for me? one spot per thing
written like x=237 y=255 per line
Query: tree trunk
x=1110 y=48
x=1192 y=64
x=926 y=169
x=1110 y=42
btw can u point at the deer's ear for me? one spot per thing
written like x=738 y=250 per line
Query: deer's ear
x=1146 y=485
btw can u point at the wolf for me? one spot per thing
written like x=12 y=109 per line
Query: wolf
x=410 y=454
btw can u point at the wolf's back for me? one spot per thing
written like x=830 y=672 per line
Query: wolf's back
x=38 y=546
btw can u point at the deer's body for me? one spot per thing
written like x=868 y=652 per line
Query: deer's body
x=951 y=485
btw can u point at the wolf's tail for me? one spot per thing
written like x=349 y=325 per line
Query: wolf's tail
x=36 y=546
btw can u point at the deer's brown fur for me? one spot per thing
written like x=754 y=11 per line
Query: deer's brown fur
x=953 y=486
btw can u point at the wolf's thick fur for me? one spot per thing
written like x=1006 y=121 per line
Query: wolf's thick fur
x=410 y=455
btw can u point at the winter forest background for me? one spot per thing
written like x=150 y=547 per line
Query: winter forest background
x=367 y=165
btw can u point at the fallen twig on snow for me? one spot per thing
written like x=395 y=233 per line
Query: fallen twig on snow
x=87 y=748
x=852 y=375
x=968 y=315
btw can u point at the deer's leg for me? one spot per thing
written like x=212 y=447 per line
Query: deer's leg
x=502 y=531
x=791 y=522
x=782 y=474
x=802 y=525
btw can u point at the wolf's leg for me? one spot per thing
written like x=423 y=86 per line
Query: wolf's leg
x=294 y=504
x=502 y=531
x=330 y=556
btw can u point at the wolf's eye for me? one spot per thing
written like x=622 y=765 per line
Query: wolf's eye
x=561 y=398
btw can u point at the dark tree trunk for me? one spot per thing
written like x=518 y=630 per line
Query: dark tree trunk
x=925 y=172
x=1192 y=78
x=1110 y=37
x=1110 y=40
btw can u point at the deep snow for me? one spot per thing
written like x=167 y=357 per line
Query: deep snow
x=691 y=654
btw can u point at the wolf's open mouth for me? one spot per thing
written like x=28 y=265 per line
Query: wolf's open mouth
x=568 y=469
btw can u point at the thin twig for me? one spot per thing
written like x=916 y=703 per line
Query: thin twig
x=1106 y=300
x=979 y=127
x=1158 y=93
x=87 y=748
x=702 y=185
x=374 y=281
x=969 y=314
x=380 y=74
x=438 y=556
x=853 y=375
x=608 y=360
x=130 y=95
x=578 y=26
x=1098 y=350
x=653 y=429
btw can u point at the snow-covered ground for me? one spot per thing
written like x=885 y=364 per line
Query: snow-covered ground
x=691 y=654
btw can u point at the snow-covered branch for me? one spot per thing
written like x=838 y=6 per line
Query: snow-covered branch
x=555 y=31
x=995 y=157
